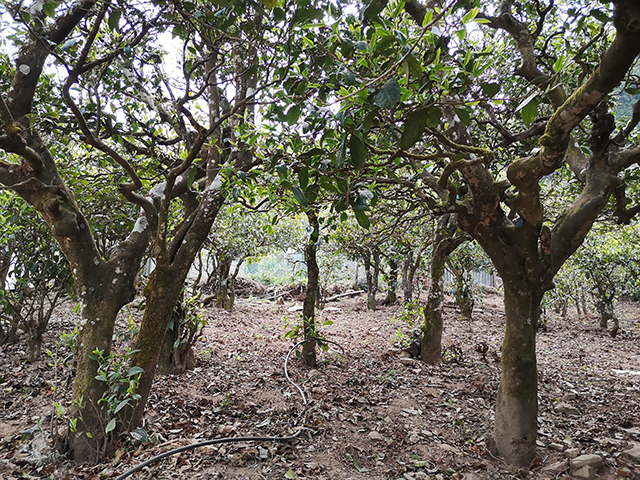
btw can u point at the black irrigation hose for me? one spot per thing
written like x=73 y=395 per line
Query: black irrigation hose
x=204 y=444
x=286 y=361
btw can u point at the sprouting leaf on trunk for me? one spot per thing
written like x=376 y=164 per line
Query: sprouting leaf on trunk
x=134 y=371
x=110 y=426
x=390 y=94
x=414 y=128
x=358 y=151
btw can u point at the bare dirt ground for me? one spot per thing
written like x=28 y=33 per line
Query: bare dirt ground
x=371 y=413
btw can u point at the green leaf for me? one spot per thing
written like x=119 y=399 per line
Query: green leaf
x=121 y=405
x=293 y=114
x=600 y=15
x=463 y=115
x=49 y=9
x=389 y=95
x=358 y=152
x=110 y=426
x=290 y=474
x=414 y=128
x=303 y=176
x=530 y=112
x=342 y=155
x=140 y=434
x=349 y=77
x=270 y=3
x=490 y=89
x=362 y=219
x=373 y=8
x=134 y=371
x=114 y=18
x=366 y=125
x=101 y=377
x=299 y=195
x=305 y=14
x=434 y=115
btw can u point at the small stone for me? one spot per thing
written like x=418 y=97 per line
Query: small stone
x=556 y=468
x=587 y=472
x=557 y=447
x=591 y=460
x=415 y=438
x=407 y=361
x=375 y=436
x=569 y=396
x=633 y=453
x=572 y=452
x=448 y=448
x=405 y=354
x=313 y=374
x=563 y=407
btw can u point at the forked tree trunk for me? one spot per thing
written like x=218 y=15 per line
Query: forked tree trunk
x=445 y=243
x=517 y=403
x=309 y=305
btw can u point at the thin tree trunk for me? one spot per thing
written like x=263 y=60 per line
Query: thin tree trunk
x=309 y=305
x=392 y=282
x=371 y=288
x=445 y=243
x=163 y=291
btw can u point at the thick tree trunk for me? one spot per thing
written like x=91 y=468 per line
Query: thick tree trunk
x=102 y=299
x=517 y=403
x=309 y=305
x=445 y=243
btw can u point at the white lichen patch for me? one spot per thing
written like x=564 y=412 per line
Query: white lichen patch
x=114 y=281
x=141 y=225
x=216 y=184
x=96 y=261
x=24 y=69
x=118 y=270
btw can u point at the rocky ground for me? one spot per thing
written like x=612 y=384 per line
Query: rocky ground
x=371 y=412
